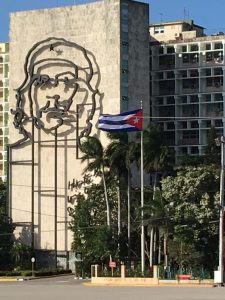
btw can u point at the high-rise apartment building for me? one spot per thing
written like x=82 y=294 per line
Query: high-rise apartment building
x=187 y=84
x=4 y=107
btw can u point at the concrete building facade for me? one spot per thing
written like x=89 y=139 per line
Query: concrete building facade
x=70 y=65
x=4 y=107
x=187 y=84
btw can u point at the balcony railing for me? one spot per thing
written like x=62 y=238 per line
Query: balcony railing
x=188 y=141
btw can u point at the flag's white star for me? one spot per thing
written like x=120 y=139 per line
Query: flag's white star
x=136 y=120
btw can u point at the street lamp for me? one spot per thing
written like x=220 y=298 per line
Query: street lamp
x=218 y=275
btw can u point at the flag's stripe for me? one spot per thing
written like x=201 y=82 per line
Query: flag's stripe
x=115 y=118
x=119 y=117
x=112 y=122
x=118 y=128
x=131 y=112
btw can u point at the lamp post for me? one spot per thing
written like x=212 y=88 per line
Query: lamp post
x=219 y=280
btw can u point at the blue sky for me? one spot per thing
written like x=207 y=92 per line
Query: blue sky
x=209 y=14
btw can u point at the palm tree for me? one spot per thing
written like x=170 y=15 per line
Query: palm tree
x=97 y=162
x=158 y=158
x=121 y=154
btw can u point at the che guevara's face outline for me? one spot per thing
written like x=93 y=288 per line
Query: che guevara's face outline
x=52 y=96
x=83 y=89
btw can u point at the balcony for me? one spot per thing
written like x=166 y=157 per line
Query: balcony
x=190 y=111
x=188 y=141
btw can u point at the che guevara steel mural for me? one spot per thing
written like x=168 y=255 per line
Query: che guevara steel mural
x=59 y=91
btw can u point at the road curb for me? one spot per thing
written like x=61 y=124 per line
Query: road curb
x=149 y=285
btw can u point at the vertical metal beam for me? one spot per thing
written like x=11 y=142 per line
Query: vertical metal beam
x=32 y=189
x=142 y=206
x=77 y=131
x=128 y=213
x=221 y=231
x=8 y=206
x=56 y=198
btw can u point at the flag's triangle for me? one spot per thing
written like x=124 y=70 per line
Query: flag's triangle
x=136 y=120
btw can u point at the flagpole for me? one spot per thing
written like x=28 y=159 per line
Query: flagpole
x=142 y=206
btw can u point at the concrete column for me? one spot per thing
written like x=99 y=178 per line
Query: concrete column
x=123 y=269
x=155 y=271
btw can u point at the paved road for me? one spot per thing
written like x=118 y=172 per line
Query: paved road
x=66 y=288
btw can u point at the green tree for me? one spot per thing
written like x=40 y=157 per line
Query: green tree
x=91 y=236
x=6 y=231
x=96 y=161
x=192 y=202
x=212 y=151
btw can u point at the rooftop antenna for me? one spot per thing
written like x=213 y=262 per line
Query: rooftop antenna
x=161 y=17
x=185 y=14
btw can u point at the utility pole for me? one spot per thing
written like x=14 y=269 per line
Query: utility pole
x=218 y=275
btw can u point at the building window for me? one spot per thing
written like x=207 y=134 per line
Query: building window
x=124 y=91
x=209 y=56
x=194 y=150
x=170 y=100
x=170 y=75
x=6 y=71
x=194 y=73
x=218 y=71
x=125 y=64
x=218 y=46
x=218 y=97
x=184 y=48
x=194 y=48
x=6 y=93
x=158 y=29
x=207 y=97
x=207 y=46
x=124 y=36
x=218 y=123
x=170 y=50
x=170 y=126
x=209 y=81
x=161 y=50
x=218 y=56
x=208 y=124
x=208 y=72
x=124 y=10
x=194 y=124
x=124 y=49
x=194 y=58
x=6 y=117
x=194 y=99
x=124 y=105
x=125 y=77
x=185 y=58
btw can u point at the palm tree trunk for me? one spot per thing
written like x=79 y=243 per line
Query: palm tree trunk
x=151 y=247
x=165 y=250
x=118 y=210
x=106 y=198
x=159 y=247
x=155 y=184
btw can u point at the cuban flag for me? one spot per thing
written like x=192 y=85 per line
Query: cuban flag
x=126 y=121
